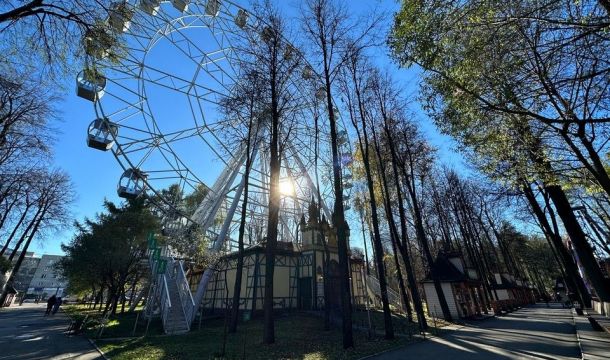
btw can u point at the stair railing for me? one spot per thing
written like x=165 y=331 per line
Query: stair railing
x=375 y=287
x=160 y=295
x=166 y=303
x=186 y=297
x=153 y=292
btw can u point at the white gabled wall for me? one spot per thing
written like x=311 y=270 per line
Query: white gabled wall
x=434 y=306
x=502 y=294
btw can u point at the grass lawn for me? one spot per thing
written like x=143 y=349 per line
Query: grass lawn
x=119 y=325
x=298 y=336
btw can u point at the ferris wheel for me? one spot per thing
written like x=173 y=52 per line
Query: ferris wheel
x=157 y=73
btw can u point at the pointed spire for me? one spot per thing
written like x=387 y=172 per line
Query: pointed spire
x=313 y=210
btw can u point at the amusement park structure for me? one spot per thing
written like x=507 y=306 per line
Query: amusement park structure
x=157 y=73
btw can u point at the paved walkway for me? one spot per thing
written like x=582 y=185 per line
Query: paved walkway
x=536 y=332
x=26 y=334
x=595 y=345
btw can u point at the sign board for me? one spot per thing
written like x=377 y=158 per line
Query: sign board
x=161 y=266
x=152 y=242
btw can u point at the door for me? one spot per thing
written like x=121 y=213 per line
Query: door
x=305 y=297
x=334 y=286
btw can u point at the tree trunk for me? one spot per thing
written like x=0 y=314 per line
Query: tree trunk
x=573 y=277
x=581 y=246
x=240 y=238
x=391 y=224
x=339 y=222
x=25 y=233
x=272 y=224
x=421 y=236
x=17 y=266
x=403 y=247
x=378 y=248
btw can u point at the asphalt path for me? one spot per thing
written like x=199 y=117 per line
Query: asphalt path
x=535 y=332
x=25 y=333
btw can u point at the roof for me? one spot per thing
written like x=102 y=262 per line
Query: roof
x=446 y=271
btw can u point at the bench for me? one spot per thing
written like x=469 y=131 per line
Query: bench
x=77 y=326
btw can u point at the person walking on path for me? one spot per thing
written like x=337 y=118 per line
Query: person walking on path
x=57 y=305
x=50 y=303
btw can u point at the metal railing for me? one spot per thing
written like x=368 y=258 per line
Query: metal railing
x=186 y=297
x=151 y=299
x=375 y=287
x=159 y=302
x=166 y=302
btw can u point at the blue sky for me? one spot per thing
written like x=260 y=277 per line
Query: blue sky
x=95 y=173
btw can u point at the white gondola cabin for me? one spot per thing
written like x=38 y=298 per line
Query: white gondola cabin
x=101 y=134
x=289 y=52
x=151 y=7
x=307 y=73
x=342 y=137
x=321 y=93
x=181 y=5
x=241 y=19
x=119 y=16
x=90 y=84
x=132 y=184
x=267 y=34
x=212 y=8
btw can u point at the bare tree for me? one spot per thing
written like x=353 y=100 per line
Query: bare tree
x=266 y=56
x=390 y=109
x=329 y=29
x=43 y=35
x=355 y=92
x=54 y=197
x=244 y=105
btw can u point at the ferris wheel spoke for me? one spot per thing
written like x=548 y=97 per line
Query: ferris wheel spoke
x=200 y=55
x=173 y=82
x=179 y=163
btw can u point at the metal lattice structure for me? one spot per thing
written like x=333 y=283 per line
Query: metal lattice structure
x=156 y=73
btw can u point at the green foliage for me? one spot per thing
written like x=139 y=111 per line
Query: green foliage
x=533 y=253
x=107 y=250
x=497 y=76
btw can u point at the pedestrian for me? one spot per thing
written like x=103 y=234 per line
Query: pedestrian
x=50 y=303
x=558 y=299
x=57 y=305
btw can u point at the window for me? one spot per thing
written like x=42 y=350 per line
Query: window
x=43 y=276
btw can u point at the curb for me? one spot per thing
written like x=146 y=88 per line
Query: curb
x=98 y=349
x=582 y=353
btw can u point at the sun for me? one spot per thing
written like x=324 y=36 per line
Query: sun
x=286 y=187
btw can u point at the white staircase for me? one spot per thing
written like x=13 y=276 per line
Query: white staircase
x=374 y=292
x=174 y=321
x=170 y=296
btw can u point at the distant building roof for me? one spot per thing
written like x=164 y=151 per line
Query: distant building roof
x=446 y=271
